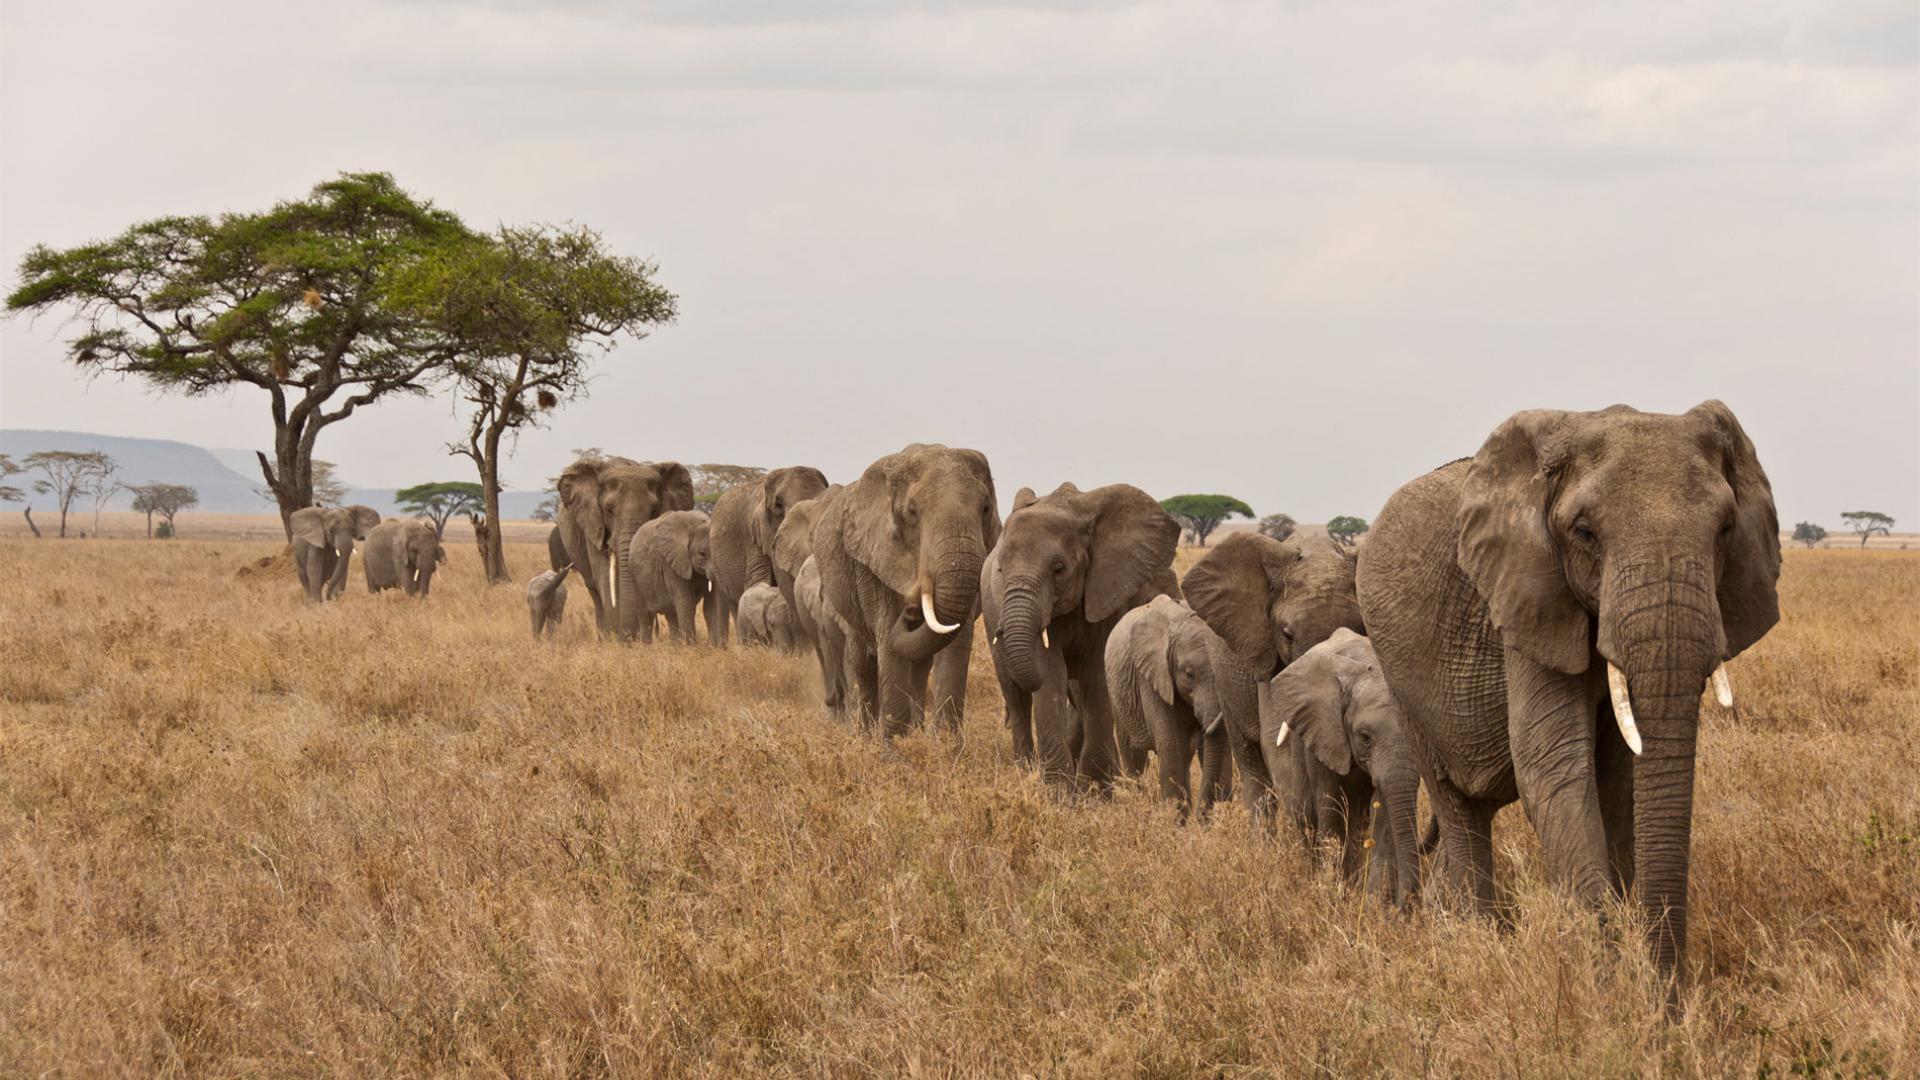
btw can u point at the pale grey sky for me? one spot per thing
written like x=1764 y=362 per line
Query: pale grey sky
x=1294 y=252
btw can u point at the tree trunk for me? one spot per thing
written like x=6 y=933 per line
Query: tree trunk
x=495 y=555
x=28 y=512
x=149 y=524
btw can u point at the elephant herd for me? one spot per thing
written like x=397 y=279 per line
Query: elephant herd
x=1535 y=623
x=400 y=554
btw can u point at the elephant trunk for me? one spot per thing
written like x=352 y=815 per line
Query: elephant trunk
x=337 y=583
x=1398 y=793
x=1024 y=613
x=599 y=575
x=626 y=612
x=1660 y=628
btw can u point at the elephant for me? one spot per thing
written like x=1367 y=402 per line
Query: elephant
x=603 y=502
x=1173 y=681
x=1272 y=601
x=1068 y=566
x=745 y=521
x=1548 y=613
x=1334 y=704
x=900 y=551
x=671 y=574
x=765 y=618
x=813 y=629
x=547 y=600
x=403 y=555
x=557 y=557
x=323 y=539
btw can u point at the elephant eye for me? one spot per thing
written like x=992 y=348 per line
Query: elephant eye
x=1287 y=632
x=1583 y=531
x=1059 y=565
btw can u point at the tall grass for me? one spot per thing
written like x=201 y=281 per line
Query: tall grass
x=243 y=835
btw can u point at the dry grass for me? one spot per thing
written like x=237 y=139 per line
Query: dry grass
x=242 y=835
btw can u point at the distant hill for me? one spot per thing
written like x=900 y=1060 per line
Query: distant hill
x=226 y=479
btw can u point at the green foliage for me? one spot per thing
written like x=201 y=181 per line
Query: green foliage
x=440 y=501
x=1277 y=526
x=8 y=492
x=1868 y=522
x=68 y=474
x=1808 y=533
x=1202 y=514
x=1345 y=529
x=164 y=532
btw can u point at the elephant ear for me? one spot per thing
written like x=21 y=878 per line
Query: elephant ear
x=990 y=527
x=1237 y=687
x=792 y=541
x=1153 y=649
x=1509 y=553
x=364 y=519
x=1311 y=696
x=675 y=491
x=869 y=533
x=1133 y=539
x=1749 y=596
x=580 y=496
x=1023 y=499
x=310 y=526
x=1130 y=655
x=1233 y=588
x=439 y=554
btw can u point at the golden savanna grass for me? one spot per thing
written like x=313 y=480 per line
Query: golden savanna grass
x=241 y=835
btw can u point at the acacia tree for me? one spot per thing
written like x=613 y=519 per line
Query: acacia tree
x=10 y=493
x=328 y=488
x=294 y=300
x=165 y=500
x=1203 y=513
x=440 y=501
x=1345 y=529
x=528 y=309
x=104 y=488
x=1808 y=533
x=68 y=474
x=1277 y=526
x=714 y=480
x=1868 y=522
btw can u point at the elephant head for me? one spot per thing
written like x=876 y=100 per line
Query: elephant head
x=1652 y=542
x=677 y=541
x=780 y=491
x=922 y=521
x=421 y=555
x=1076 y=553
x=334 y=528
x=793 y=539
x=1273 y=600
x=1335 y=700
x=602 y=502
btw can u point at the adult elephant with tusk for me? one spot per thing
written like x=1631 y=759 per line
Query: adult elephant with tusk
x=746 y=521
x=899 y=552
x=323 y=539
x=603 y=502
x=1548 y=613
x=1068 y=566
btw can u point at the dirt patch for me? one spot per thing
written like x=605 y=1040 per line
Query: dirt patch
x=270 y=567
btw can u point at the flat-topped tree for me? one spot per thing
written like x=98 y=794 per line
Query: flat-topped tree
x=294 y=300
x=440 y=501
x=529 y=309
x=1202 y=514
x=1868 y=522
x=165 y=500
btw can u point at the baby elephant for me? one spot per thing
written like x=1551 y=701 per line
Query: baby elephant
x=670 y=561
x=547 y=599
x=765 y=618
x=402 y=555
x=1336 y=744
x=1175 y=688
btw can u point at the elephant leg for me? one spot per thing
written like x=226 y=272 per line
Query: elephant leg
x=1216 y=772
x=1550 y=729
x=1256 y=785
x=1056 y=733
x=1613 y=777
x=1019 y=705
x=895 y=689
x=949 y=702
x=644 y=627
x=1173 y=756
x=1096 y=758
x=685 y=604
x=1465 y=862
x=1356 y=819
x=720 y=616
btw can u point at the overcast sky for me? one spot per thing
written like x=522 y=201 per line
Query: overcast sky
x=1297 y=253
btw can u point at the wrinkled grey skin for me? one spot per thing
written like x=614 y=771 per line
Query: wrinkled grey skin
x=1067 y=567
x=746 y=520
x=557 y=557
x=1497 y=590
x=1334 y=705
x=1272 y=601
x=671 y=567
x=765 y=618
x=603 y=502
x=916 y=524
x=547 y=600
x=825 y=638
x=829 y=633
x=1173 y=681
x=323 y=546
x=402 y=555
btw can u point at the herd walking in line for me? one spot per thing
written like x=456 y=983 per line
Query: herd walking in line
x=1535 y=623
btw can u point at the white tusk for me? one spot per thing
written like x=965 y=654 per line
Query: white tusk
x=1044 y=643
x=926 y=609
x=709 y=584
x=1722 y=689
x=613 y=584
x=1623 y=707
x=1212 y=727
x=1281 y=739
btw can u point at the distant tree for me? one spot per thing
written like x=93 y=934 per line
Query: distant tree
x=326 y=489
x=1278 y=526
x=530 y=308
x=714 y=480
x=297 y=300
x=105 y=487
x=1345 y=529
x=1808 y=533
x=10 y=493
x=68 y=474
x=1868 y=522
x=1203 y=513
x=440 y=501
x=547 y=509
x=165 y=500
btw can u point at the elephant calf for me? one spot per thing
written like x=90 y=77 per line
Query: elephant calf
x=1337 y=741
x=765 y=618
x=669 y=557
x=547 y=600
x=1173 y=681
x=828 y=630
x=402 y=555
